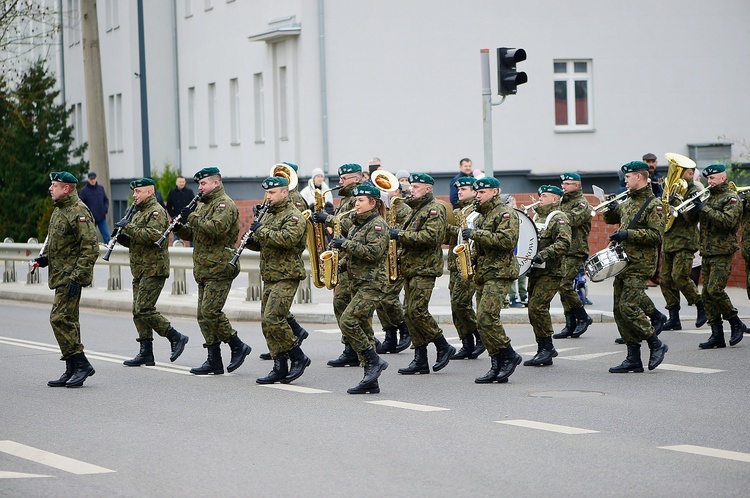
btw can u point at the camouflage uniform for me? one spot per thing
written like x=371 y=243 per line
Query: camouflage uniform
x=341 y=294
x=461 y=290
x=745 y=243
x=149 y=265
x=297 y=200
x=280 y=240
x=213 y=227
x=578 y=210
x=389 y=309
x=72 y=250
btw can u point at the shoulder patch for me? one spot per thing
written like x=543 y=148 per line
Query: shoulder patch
x=378 y=228
x=222 y=206
x=298 y=204
x=732 y=199
x=561 y=222
x=659 y=208
x=582 y=204
x=506 y=216
x=82 y=219
x=295 y=218
x=433 y=212
x=155 y=213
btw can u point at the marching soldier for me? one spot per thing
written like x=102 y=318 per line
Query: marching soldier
x=641 y=220
x=149 y=265
x=719 y=218
x=279 y=237
x=213 y=227
x=421 y=263
x=745 y=242
x=70 y=253
x=546 y=272
x=495 y=236
x=462 y=290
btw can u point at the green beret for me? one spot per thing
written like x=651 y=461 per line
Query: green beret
x=291 y=165
x=205 y=173
x=63 y=176
x=368 y=190
x=575 y=177
x=486 y=182
x=143 y=182
x=274 y=181
x=349 y=168
x=552 y=189
x=713 y=169
x=634 y=166
x=421 y=178
x=464 y=181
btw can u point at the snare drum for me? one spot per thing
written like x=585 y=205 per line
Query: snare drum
x=606 y=263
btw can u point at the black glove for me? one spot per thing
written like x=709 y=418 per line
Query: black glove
x=177 y=227
x=123 y=239
x=41 y=261
x=184 y=213
x=254 y=226
x=619 y=236
x=122 y=223
x=256 y=210
x=73 y=288
x=537 y=260
x=466 y=233
x=610 y=197
x=394 y=233
x=329 y=208
x=319 y=217
x=698 y=205
x=337 y=242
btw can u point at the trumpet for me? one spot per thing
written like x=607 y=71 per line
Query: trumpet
x=606 y=203
x=688 y=204
x=531 y=206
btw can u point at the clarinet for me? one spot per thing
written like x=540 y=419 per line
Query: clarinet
x=177 y=220
x=34 y=265
x=110 y=247
x=246 y=236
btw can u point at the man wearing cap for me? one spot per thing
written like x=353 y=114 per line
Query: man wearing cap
x=657 y=181
x=462 y=290
x=70 y=253
x=641 y=220
x=149 y=265
x=93 y=195
x=465 y=168
x=546 y=271
x=213 y=228
x=421 y=263
x=279 y=236
x=719 y=220
x=495 y=236
x=578 y=211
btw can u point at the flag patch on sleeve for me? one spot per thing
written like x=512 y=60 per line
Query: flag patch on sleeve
x=82 y=219
x=295 y=218
x=506 y=216
x=222 y=206
x=433 y=212
x=378 y=228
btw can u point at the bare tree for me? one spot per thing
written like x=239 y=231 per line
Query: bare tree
x=25 y=25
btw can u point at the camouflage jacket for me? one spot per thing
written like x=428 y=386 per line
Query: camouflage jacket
x=578 y=210
x=452 y=231
x=213 y=227
x=297 y=200
x=140 y=235
x=347 y=204
x=683 y=234
x=281 y=240
x=495 y=237
x=366 y=248
x=420 y=240
x=644 y=239
x=720 y=219
x=72 y=247
x=745 y=225
x=554 y=240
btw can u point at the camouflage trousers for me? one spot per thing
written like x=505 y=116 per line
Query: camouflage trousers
x=65 y=322
x=675 y=278
x=342 y=296
x=146 y=291
x=715 y=271
x=389 y=309
x=422 y=326
x=631 y=318
x=542 y=289
x=490 y=298
x=462 y=306
x=357 y=317
x=214 y=324
x=274 y=309
x=568 y=295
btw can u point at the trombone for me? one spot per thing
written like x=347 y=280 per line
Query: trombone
x=606 y=203
x=531 y=206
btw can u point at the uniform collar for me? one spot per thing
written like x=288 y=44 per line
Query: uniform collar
x=68 y=200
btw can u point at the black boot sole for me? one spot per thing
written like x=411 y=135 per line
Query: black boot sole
x=703 y=345
x=79 y=382
x=291 y=378
x=265 y=356
x=131 y=363
x=372 y=388
x=407 y=371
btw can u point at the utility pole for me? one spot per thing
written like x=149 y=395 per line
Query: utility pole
x=145 y=144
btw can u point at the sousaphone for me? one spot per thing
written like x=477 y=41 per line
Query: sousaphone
x=285 y=171
x=674 y=185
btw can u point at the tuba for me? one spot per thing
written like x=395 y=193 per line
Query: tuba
x=462 y=251
x=330 y=258
x=285 y=171
x=316 y=241
x=674 y=185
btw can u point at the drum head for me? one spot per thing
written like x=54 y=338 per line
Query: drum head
x=528 y=242
x=605 y=264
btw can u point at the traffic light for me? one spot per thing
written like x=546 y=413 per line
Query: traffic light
x=508 y=77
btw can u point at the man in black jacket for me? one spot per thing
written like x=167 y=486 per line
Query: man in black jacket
x=95 y=198
x=178 y=198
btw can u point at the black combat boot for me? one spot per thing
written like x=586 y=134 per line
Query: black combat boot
x=265 y=356
x=583 y=320
x=279 y=372
x=491 y=374
x=658 y=349
x=570 y=326
x=658 y=319
x=701 y=319
x=300 y=333
x=444 y=353
x=144 y=357
x=619 y=340
x=717 y=337
x=299 y=362
x=405 y=341
x=348 y=358
x=419 y=364
x=544 y=353
x=65 y=377
x=213 y=364
x=480 y=347
x=737 y=328
x=177 y=342
x=374 y=366
x=674 y=319
x=632 y=363
x=82 y=369
x=239 y=351
x=467 y=349
x=509 y=360
x=390 y=343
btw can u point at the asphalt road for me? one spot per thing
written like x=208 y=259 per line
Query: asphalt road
x=160 y=431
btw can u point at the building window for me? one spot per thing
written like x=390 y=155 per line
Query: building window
x=283 y=104
x=112 y=8
x=212 y=114
x=573 y=99
x=115 y=123
x=74 y=23
x=188 y=8
x=191 y=118
x=77 y=122
x=258 y=100
x=234 y=111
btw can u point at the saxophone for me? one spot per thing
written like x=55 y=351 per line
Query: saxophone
x=330 y=258
x=462 y=251
x=392 y=268
x=316 y=242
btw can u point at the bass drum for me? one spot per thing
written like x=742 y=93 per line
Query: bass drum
x=528 y=242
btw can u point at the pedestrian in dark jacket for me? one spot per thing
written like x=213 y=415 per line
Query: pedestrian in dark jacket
x=94 y=196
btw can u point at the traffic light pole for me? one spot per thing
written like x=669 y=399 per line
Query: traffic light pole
x=487 y=104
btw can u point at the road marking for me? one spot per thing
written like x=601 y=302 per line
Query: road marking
x=297 y=389
x=19 y=475
x=51 y=459
x=683 y=368
x=712 y=452
x=584 y=357
x=328 y=331
x=563 y=350
x=530 y=424
x=408 y=406
x=693 y=331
